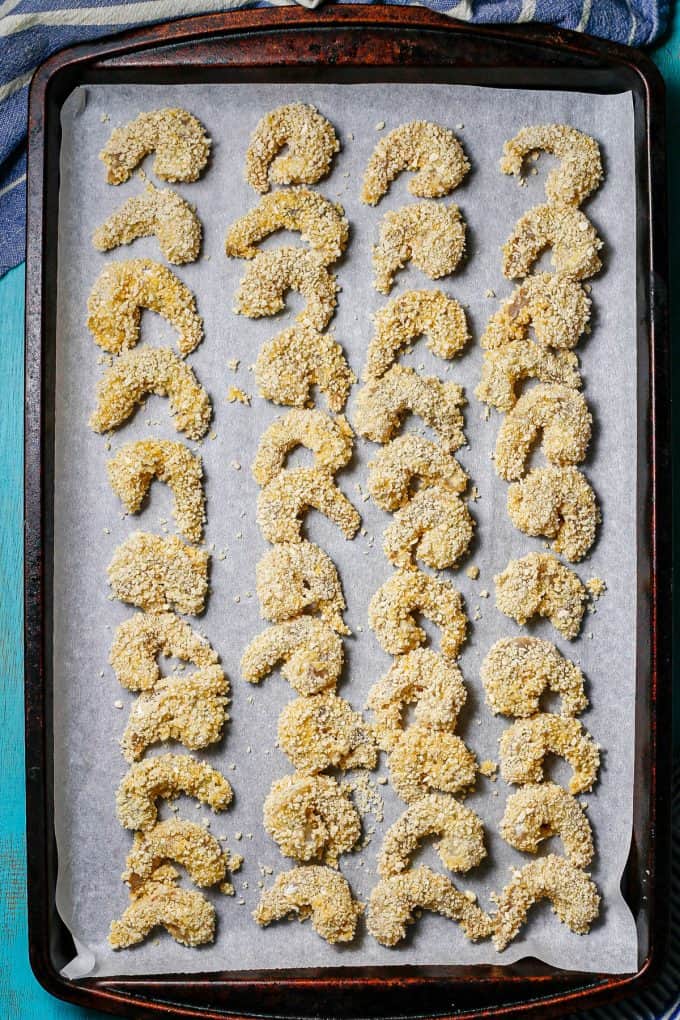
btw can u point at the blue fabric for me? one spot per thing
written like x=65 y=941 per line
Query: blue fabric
x=30 y=30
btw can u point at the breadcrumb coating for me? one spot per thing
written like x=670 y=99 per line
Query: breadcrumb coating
x=191 y=710
x=330 y=439
x=162 y=212
x=422 y=678
x=136 y=464
x=166 y=776
x=556 y=307
x=322 y=731
x=427 y=760
x=136 y=374
x=390 y=613
x=383 y=404
x=559 y=503
x=435 y=527
x=297 y=577
x=539 y=585
x=579 y=172
x=178 y=139
x=186 y=915
x=320 y=222
x=186 y=843
x=315 y=891
x=312 y=818
x=516 y=671
x=159 y=574
x=410 y=459
x=272 y=273
x=541 y=810
x=431 y=151
x=139 y=641
x=563 y=417
x=525 y=744
x=312 y=655
x=460 y=832
x=573 y=895
x=395 y=901
x=504 y=367
x=567 y=231
x=429 y=234
x=310 y=142
x=287 y=498
x=288 y=366
x=123 y=289
x=403 y=320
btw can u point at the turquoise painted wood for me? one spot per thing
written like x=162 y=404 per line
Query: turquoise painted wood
x=20 y=994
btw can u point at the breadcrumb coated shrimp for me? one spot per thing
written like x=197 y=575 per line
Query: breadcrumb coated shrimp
x=383 y=403
x=407 y=459
x=394 y=902
x=573 y=895
x=191 y=709
x=322 y=731
x=539 y=585
x=311 y=818
x=330 y=439
x=504 y=367
x=185 y=914
x=416 y=313
x=516 y=672
x=566 y=230
x=140 y=639
x=166 y=776
x=429 y=234
x=284 y=501
x=421 y=677
x=461 y=833
x=158 y=574
x=541 y=810
x=580 y=168
x=179 y=140
x=426 y=760
x=186 y=843
x=136 y=464
x=390 y=613
x=298 y=576
x=136 y=374
x=556 y=307
x=123 y=289
x=272 y=273
x=315 y=891
x=320 y=222
x=288 y=366
x=312 y=655
x=431 y=150
x=525 y=744
x=560 y=413
x=435 y=527
x=310 y=142
x=559 y=503
x=162 y=212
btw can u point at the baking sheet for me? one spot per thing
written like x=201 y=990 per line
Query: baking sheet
x=89 y=523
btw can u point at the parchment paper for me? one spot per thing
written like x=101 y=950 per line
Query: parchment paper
x=89 y=524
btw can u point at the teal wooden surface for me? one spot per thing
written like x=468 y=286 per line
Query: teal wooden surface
x=20 y=994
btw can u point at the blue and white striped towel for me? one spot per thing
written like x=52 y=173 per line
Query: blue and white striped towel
x=30 y=30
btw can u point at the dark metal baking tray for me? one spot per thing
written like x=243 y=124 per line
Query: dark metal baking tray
x=355 y=44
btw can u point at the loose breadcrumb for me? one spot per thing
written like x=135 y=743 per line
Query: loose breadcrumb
x=158 y=574
x=320 y=222
x=416 y=313
x=429 y=234
x=538 y=584
x=237 y=396
x=516 y=672
x=179 y=140
x=525 y=744
x=596 y=587
x=161 y=212
x=431 y=150
x=310 y=142
x=472 y=572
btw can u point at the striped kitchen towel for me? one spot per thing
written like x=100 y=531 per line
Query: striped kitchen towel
x=30 y=30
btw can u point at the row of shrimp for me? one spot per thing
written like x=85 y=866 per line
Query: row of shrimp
x=308 y=813
x=162 y=576
x=555 y=501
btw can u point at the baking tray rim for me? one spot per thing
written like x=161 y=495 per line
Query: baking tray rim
x=119 y=995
